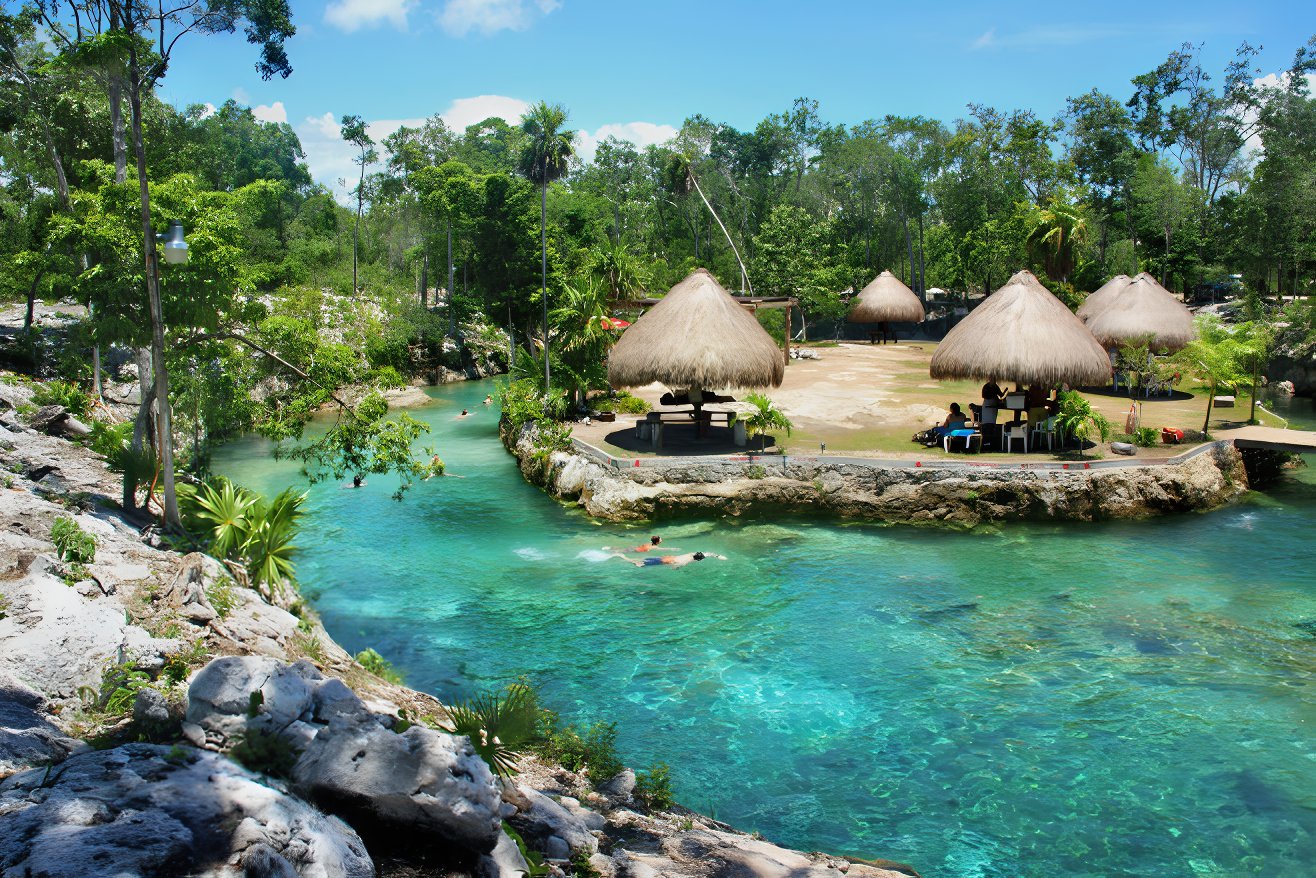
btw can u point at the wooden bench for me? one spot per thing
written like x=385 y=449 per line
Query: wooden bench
x=651 y=427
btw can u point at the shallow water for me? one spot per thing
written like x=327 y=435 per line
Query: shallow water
x=1078 y=700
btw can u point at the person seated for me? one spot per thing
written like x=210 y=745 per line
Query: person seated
x=1036 y=403
x=669 y=398
x=956 y=420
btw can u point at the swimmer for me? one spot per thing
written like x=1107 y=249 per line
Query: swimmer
x=464 y=414
x=488 y=400
x=357 y=481
x=671 y=560
x=642 y=547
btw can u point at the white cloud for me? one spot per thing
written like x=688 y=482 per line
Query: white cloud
x=352 y=15
x=1049 y=36
x=330 y=158
x=240 y=95
x=460 y=17
x=274 y=112
x=641 y=134
x=209 y=111
x=464 y=112
x=986 y=39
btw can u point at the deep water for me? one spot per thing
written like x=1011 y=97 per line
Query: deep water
x=1043 y=700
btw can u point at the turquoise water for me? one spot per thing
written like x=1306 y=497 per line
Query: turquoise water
x=1116 y=699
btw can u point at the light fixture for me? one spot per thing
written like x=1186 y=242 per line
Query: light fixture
x=175 y=247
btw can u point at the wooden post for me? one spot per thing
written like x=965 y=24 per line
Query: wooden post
x=787 y=348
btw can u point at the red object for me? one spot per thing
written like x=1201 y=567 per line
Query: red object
x=613 y=323
x=1171 y=435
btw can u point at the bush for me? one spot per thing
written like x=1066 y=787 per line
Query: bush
x=387 y=376
x=378 y=665
x=265 y=752
x=595 y=751
x=64 y=393
x=1147 y=437
x=654 y=787
x=622 y=403
x=72 y=543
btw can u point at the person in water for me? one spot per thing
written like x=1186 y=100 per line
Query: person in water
x=652 y=544
x=464 y=414
x=671 y=560
x=488 y=400
x=357 y=481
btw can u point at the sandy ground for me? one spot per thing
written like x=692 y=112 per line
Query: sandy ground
x=868 y=400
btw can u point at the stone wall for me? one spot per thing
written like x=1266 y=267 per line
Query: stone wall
x=961 y=496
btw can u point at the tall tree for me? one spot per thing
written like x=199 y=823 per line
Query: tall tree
x=354 y=132
x=546 y=157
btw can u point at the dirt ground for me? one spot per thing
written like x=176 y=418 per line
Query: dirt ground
x=869 y=400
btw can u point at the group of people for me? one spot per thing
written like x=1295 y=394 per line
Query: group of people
x=1040 y=403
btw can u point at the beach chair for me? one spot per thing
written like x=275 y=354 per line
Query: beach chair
x=967 y=435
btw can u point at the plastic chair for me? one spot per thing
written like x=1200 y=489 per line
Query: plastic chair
x=1045 y=428
x=1016 y=431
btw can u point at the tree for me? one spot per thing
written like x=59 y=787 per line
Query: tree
x=354 y=132
x=796 y=258
x=766 y=417
x=546 y=157
x=1056 y=232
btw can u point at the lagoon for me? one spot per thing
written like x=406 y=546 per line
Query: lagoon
x=1131 y=698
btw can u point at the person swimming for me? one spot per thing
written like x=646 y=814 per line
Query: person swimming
x=670 y=560
x=464 y=414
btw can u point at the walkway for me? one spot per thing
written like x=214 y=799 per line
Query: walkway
x=1272 y=439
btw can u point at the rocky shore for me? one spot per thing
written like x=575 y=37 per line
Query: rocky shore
x=961 y=496
x=171 y=670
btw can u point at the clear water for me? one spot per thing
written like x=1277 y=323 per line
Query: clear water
x=1077 y=700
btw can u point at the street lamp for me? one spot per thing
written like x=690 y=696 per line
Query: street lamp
x=175 y=247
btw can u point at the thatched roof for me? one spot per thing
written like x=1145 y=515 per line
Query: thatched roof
x=1024 y=334
x=1096 y=301
x=1144 y=309
x=697 y=336
x=886 y=299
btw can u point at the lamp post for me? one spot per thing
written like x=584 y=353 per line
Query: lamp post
x=175 y=248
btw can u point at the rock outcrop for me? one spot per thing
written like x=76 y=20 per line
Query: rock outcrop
x=150 y=810
x=962 y=496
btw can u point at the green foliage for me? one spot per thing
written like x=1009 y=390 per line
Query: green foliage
x=766 y=417
x=595 y=751
x=621 y=403
x=378 y=665
x=242 y=526
x=498 y=726
x=265 y=752
x=62 y=393
x=581 y=866
x=72 y=542
x=1079 y=419
x=534 y=859
x=653 y=787
x=1147 y=437
x=118 y=688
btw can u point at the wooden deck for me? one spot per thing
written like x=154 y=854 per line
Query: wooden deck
x=1272 y=439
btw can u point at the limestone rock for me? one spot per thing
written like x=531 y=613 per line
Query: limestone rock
x=544 y=819
x=236 y=693
x=505 y=861
x=730 y=855
x=417 y=781
x=27 y=737
x=621 y=788
x=152 y=811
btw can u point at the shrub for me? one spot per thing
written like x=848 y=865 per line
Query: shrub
x=654 y=787
x=378 y=665
x=1147 y=437
x=72 y=543
x=221 y=597
x=64 y=393
x=266 y=752
x=498 y=727
x=118 y=688
x=595 y=751
x=387 y=376
x=622 y=403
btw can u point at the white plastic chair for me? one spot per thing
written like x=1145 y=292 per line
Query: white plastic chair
x=1016 y=431
x=1045 y=428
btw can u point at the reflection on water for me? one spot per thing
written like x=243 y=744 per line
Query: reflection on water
x=1120 y=699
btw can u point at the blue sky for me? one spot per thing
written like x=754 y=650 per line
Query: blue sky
x=637 y=69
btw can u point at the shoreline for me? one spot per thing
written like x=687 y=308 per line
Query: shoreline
x=144 y=607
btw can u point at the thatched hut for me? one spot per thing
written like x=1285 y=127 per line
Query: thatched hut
x=1022 y=333
x=697 y=337
x=1143 y=309
x=886 y=300
x=1097 y=300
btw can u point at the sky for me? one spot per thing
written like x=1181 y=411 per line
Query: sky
x=636 y=69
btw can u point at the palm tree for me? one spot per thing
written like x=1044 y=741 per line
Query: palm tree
x=766 y=417
x=1057 y=231
x=546 y=157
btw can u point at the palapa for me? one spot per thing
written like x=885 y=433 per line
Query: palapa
x=1097 y=301
x=1022 y=333
x=697 y=337
x=1143 y=309
x=886 y=300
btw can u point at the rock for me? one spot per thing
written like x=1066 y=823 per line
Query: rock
x=505 y=861
x=417 y=781
x=621 y=788
x=220 y=697
x=150 y=708
x=707 y=852
x=48 y=418
x=147 y=810
x=187 y=592
x=545 y=820
x=592 y=820
x=27 y=738
x=1123 y=448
